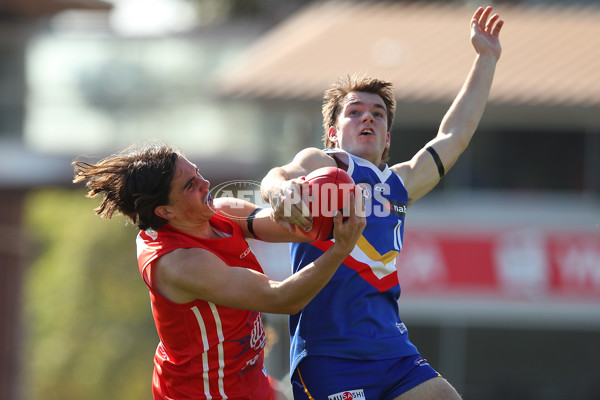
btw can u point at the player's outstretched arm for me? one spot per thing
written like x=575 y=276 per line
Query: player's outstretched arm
x=422 y=172
x=256 y=222
x=187 y=274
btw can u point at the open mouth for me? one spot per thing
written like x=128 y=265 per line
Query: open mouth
x=367 y=132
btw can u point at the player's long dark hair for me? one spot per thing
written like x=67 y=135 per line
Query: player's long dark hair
x=133 y=182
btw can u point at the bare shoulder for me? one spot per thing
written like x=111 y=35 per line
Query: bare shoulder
x=403 y=170
x=312 y=158
x=183 y=263
x=419 y=175
x=184 y=275
x=304 y=162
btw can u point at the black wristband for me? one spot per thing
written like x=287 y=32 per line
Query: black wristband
x=437 y=160
x=250 y=221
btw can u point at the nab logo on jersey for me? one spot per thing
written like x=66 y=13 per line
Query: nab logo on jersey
x=357 y=394
x=397 y=208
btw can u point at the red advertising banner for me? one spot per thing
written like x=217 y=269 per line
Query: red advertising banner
x=521 y=263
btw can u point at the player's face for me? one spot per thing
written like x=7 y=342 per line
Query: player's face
x=189 y=198
x=361 y=127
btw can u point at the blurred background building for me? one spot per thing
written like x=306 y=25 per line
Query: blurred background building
x=500 y=272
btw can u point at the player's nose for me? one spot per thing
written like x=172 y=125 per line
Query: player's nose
x=367 y=116
x=205 y=183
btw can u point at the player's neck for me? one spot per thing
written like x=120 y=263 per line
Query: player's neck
x=375 y=160
x=202 y=229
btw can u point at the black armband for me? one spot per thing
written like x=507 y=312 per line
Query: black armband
x=250 y=221
x=437 y=160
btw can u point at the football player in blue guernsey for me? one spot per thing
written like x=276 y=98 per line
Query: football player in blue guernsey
x=349 y=341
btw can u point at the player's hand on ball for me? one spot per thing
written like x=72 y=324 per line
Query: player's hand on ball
x=289 y=208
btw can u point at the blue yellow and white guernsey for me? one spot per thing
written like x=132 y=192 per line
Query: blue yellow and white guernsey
x=356 y=315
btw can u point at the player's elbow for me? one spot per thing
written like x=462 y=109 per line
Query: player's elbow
x=289 y=307
x=295 y=307
x=284 y=302
x=285 y=310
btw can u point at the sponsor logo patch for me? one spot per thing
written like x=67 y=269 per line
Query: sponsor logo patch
x=397 y=208
x=420 y=362
x=402 y=328
x=355 y=394
x=366 y=192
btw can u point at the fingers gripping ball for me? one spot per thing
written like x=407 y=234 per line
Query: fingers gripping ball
x=328 y=191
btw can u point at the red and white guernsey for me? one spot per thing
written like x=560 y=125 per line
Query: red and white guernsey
x=206 y=351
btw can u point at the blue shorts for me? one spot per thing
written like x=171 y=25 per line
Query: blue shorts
x=329 y=378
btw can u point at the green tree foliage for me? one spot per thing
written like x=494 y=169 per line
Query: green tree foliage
x=90 y=333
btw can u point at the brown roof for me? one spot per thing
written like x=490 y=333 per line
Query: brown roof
x=550 y=55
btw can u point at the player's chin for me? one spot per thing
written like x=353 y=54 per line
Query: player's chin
x=208 y=202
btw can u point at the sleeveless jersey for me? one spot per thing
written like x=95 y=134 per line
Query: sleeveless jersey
x=206 y=351
x=356 y=314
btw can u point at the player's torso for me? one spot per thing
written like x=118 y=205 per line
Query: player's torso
x=218 y=353
x=220 y=346
x=356 y=314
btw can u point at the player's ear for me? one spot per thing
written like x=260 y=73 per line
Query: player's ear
x=163 y=212
x=387 y=140
x=332 y=134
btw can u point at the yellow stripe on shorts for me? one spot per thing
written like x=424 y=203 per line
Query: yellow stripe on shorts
x=304 y=386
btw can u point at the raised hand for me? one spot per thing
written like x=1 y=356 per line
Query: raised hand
x=485 y=31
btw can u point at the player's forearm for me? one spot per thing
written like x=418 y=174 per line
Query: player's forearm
x=464 y=115
x=295 y=292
